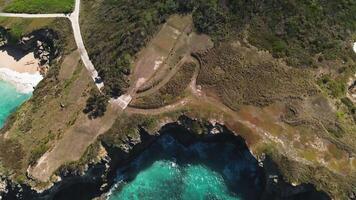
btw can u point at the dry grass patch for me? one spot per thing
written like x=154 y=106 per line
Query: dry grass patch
x=170 y=92
x=242 y=75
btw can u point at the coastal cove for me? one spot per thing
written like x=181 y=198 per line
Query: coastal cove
x=165 y=164
x=181 y=164
x=19 y=75
x=170 y=169
x=210 y=100
x=10 y=99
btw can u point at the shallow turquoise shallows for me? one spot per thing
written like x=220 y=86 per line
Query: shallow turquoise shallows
x=166 y=180
x=10 y=99
x=219 y=169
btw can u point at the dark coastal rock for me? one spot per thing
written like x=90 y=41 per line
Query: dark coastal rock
x=4 y=37
x=277 y=188
x=99 y=178
x=43 y=43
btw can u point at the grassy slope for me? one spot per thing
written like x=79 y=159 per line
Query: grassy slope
x=244 y=76
x=39 y=6
x=132 y=24
x=287 y=30
x=169 y=93
x=18 y=27
x=314 y=36
x=113 y=49
x=40 y=121
x=262 y=81
x=2 y=3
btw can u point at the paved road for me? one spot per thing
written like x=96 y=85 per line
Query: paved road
x=24 y=15
x=74 y=19
x=124 y=100
x=87 y=131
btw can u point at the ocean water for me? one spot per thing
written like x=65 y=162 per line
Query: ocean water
x=200 y=171
x=10 y=99
x=167 y=180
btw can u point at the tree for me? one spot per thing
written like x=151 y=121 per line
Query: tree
x=96 y=104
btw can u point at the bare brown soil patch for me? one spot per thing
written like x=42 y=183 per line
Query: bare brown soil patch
x=170 y=92
x=73 y=143
x=186 y=43
x=151 y=58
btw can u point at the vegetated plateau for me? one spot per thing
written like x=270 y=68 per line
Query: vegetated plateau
x=277 y=74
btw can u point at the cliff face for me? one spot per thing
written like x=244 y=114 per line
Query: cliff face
x=97 y=177
x=44 y=44
x=38 y=123
x=4 y=37
x=238 y=79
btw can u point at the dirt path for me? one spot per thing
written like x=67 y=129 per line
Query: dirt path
x=156 y=111
x=167 y=77
x=84 y=132
x=154 y=56
x=74 y=143
x=175 y=106
x=262 y=125
x=76 y=140
x=74 y=19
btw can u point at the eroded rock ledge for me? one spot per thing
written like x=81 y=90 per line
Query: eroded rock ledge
x=97 y=178
x=43 y=42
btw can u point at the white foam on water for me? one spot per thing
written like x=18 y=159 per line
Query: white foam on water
x=24 y=82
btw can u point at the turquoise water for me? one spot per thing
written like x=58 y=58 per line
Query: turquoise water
x=167 y=180
x=198 y=171
x=10 y=99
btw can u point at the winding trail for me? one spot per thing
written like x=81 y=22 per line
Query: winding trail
x=80 y=136
x=157 y=111
x=124 y=100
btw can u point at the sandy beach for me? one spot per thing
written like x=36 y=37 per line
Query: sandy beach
x=28 y=63
x=20 y=70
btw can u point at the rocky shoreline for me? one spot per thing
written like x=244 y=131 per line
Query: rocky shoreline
x=99 y=177
x=42 y=42
x=26 y=60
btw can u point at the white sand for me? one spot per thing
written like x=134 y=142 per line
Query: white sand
x=28 y=63
x=23 y=73
x=24 y=82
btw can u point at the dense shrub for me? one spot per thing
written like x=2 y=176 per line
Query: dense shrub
x=96 y=104
x=334 y=88
x=132 y=23
x=293 y=29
